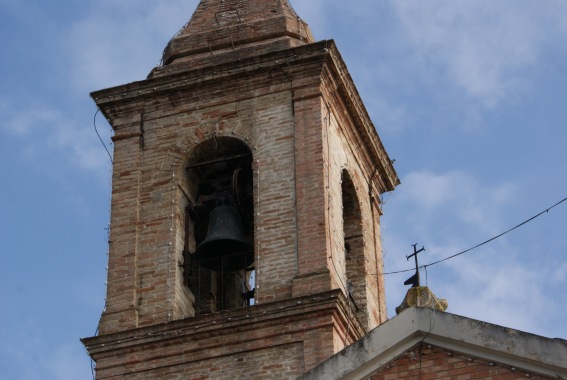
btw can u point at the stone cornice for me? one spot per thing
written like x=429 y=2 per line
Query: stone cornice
x=344 y=86
x=303 y=69
x=243 y=324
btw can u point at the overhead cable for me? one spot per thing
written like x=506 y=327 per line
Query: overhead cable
x=483 y=243
x=100 y=138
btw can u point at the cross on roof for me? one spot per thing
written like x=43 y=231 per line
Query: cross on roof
x=414 y=280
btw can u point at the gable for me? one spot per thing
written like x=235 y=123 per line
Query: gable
x=482 y=342
x=425 y=362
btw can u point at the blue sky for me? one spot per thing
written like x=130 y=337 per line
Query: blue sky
x=469 y=97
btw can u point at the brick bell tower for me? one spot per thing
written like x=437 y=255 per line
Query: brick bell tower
x=245 y=236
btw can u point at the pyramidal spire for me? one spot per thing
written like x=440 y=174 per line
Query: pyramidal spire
x=219 y=25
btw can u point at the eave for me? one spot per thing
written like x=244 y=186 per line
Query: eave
x=304 y=66
x=479 y=339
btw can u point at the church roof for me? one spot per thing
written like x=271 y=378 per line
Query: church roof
x=478 y=339
x=231 y=24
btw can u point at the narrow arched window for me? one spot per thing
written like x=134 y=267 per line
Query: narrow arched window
x=354 y=246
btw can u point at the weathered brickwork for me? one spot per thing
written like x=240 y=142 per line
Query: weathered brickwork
x=318 y=168
x=432 y=363
x=198 y=347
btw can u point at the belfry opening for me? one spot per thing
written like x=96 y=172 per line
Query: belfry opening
x=354 y=247
x=219 y=233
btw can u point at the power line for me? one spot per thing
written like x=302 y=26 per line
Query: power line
x=100 y=138
x=484 y=242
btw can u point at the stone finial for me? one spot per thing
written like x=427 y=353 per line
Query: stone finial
x=422 y=296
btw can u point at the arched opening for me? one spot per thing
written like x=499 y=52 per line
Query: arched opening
x=219 y=233
x=354 y=246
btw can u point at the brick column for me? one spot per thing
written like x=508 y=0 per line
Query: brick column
x=313 y=274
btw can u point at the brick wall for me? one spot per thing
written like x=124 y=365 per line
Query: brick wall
x=353 y=213
x=259 y=364
x=235 y=25
x=282 y=339
x=433 y=363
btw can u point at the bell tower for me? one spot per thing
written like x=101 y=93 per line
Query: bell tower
x=245 y=215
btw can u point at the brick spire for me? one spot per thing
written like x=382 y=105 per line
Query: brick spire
x=219 y=25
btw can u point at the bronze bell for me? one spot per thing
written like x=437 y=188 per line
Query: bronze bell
x=225 y=247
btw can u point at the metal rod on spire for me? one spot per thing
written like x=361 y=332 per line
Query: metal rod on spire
x=414 y=280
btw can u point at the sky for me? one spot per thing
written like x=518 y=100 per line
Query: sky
x=468 y=96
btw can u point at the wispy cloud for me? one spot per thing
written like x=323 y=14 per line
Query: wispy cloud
x=455 y=194
x=119 y=42
x=485 y=46
x=446 y=212
x=28 y=122
x=560 y=273
x=494 y=285
x=462 y=57
x=115 y=42
x=42 y=131
x=451 y=212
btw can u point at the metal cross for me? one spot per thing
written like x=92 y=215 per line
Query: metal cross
x=414 y=280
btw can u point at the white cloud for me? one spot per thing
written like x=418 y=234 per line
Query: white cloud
x=455 y=194
x=560 y=273
x=484 y=45
x=119 y=42
x=463 y=57
x=496 y=286
x=27 y=122
x=446 y=212
x=388 y=117
x=115 y=43
x=453 y=211
x=42 y=129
